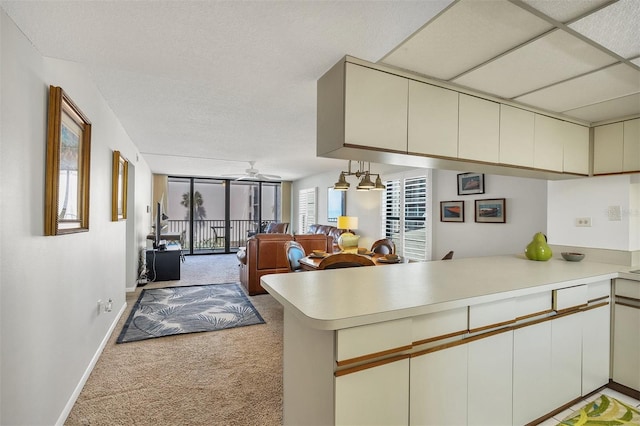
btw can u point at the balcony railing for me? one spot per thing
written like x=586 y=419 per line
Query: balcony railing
x=210 y=235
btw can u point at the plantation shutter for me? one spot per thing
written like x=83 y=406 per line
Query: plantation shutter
x=415 y=218
x=406 y=209
x=306 y=209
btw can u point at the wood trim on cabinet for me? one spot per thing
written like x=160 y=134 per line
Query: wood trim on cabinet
x=371 y=356
x=598 y=298
x=625 y=298
x=572 y=309
x=598 y=305
x=628 y=305
x=440 y=337
x=490 y=326
x=535 y=314
x=378 y=363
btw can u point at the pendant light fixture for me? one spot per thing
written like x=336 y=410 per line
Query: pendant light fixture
x=364 y=175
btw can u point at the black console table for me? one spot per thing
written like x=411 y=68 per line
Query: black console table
x=164 y=265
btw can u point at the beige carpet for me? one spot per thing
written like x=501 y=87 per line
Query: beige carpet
x=226 y=377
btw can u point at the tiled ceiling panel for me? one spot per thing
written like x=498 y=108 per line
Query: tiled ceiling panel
x=565 y=11
x=465 y=35
x=609 y=83
x=554 y=57
x=615 y=108
x=616 y=27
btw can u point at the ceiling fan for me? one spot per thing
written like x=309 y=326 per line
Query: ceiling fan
x=253 y=174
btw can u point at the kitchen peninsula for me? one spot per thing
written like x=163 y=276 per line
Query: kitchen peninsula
x=487 y=340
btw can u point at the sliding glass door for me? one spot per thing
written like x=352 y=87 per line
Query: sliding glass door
x=218 y=215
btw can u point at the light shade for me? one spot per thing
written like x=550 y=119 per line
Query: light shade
x=365 y=183
x=347 y=222
x=341 y=184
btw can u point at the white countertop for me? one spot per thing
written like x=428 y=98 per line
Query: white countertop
x=342 y=298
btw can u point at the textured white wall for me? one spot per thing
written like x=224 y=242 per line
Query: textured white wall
x=591 y=197
x=526 y=210
x=50 y=327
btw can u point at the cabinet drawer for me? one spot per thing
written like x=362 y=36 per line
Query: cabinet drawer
x=369 y=340
x=599 y=290
x=532 y=304
x=570 y=297
x=628 y=288
x=492 y=314
x=439 y=324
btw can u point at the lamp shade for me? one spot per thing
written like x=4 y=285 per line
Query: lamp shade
x=347 y=222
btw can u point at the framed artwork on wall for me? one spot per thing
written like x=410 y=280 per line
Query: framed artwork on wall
x=120 y=176
x=470 y=183
x=67 y=168
x=491 y=210
x=336 y=204
x=451 y=211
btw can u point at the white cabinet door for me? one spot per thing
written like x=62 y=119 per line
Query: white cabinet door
x=626 y=347
x=548 y=144
x=576 y=148
x=374 y=396
x=608 y=148
x=596 y=337
x=433 y=120
x=479 y=129
x=375 y=108
x=439 y=387
x=626 y=334
x=531 y=372
x=566 y=359
x=490 y=380
x=631 y=159
x=516 y=136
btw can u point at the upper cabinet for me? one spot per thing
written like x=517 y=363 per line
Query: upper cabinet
x=372 y=113
x=616 y=147
x=375 y=105
x=479 y=129
x=433 y=120
x=516 y=136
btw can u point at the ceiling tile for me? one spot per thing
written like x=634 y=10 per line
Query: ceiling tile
x=608 y=110
x=609 y=83
x=554 y=57
x=465 y=35
x=565 y=11
x=616 y=27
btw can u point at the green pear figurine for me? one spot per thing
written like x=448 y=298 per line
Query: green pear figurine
x=538 y=248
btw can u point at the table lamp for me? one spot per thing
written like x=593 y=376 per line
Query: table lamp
x=348 y=242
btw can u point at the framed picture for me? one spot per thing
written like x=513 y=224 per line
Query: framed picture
x=67 y=169
x=492 y=210
x=451 y=211
x=470 y=183
x=336 y=204
x=120 y=176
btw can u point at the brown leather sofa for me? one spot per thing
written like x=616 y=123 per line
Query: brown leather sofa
x=328 y=230
x=265 y=254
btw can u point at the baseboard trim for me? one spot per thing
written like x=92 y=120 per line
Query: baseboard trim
x=83 y=380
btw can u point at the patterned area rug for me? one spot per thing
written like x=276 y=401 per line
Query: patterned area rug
x=189 y=309
x=604 y=411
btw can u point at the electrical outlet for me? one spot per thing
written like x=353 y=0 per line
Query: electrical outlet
x=583 y=221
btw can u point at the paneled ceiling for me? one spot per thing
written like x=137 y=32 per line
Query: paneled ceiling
x=576 y=58
x=203 y=87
